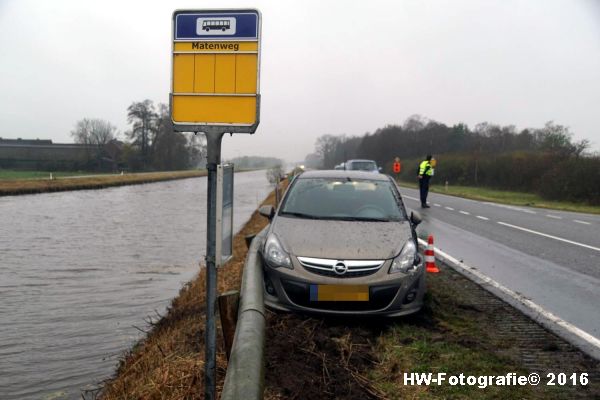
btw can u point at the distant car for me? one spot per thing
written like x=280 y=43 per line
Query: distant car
x=362 y=165
x=342 y=243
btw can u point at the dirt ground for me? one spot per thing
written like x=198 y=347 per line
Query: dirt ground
x=313 y=358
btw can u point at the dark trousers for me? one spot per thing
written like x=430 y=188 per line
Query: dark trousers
x=424 y=188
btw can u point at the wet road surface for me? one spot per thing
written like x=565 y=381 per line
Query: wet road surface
x=551 y=257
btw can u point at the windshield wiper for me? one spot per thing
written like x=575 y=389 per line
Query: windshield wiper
x=300 y=215
x=365 y=219
x=335 y=218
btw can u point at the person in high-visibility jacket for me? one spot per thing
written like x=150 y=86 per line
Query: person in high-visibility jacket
x=425 y=174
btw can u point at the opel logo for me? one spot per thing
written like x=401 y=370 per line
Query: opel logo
x=340 y=268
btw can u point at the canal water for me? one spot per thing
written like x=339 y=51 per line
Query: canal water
x=79 y=270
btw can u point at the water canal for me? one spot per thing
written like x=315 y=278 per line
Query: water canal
x=78 y=270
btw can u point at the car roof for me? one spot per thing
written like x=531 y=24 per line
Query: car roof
x=341 y=174
x=361 y=160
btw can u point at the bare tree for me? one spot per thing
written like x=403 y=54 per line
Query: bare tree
x=415 y=123
x=325 y=147
x=580 y=147
x=556 y=139
x=142 y=116
x=93 y=132
x=169 y=148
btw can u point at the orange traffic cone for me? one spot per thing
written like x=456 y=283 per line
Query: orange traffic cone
x=430 y=257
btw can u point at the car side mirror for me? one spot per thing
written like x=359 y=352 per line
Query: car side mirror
x=415 y=218
x=267 y=211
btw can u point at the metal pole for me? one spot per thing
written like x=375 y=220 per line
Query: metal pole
x=210 y=350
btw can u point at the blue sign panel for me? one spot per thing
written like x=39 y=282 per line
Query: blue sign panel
x=216 y=25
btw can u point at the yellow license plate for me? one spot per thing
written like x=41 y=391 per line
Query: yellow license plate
x=339 y=292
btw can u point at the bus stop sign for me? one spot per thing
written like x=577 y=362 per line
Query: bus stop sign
x=215 y=70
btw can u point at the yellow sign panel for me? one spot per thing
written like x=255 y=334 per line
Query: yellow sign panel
x=215 y=69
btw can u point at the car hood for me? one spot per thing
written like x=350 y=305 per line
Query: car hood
x=342 y=240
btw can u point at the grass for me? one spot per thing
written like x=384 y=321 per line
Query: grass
x=508 y=197
x=9 y=174
x=28 y=186
x=448 y=337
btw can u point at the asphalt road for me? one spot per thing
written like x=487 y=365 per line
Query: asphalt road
x=551 y=257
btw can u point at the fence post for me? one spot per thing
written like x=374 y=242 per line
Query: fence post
x=228 y=311
x=246 y=369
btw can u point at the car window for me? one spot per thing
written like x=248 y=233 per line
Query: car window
x=363 y=166
x=343 y=199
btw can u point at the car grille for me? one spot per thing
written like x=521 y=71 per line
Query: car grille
x=340 y=268
x=379 y=298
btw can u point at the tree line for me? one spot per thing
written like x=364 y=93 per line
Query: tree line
x=542 y=160
x=150 y=143
x=256 y=162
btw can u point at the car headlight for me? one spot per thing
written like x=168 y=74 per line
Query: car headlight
x=275 y=255
x=405 y=260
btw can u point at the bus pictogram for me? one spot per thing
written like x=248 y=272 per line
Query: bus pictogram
x=216 y=24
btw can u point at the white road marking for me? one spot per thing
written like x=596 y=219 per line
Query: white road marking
x=553 y=216
x=449 y=208
x=587 y=246
x=465 y=212
x=581 y=222
x=412 y=198
x=536 y=310
x=483 y=218
x=436 y=204
x=510 y=207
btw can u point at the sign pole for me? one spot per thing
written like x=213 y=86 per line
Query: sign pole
x=215 y=65
x=210 y=351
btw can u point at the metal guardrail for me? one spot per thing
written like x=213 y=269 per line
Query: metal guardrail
x=246 y=369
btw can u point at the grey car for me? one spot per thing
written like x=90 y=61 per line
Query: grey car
x=341 y=243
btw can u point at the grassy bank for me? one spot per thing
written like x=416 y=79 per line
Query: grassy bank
x=28 y=186
x=9 y=174
x=462 y=329
x=507 y=197
x=168 y=364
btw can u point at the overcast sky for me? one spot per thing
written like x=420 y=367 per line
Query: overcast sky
x=327 y=66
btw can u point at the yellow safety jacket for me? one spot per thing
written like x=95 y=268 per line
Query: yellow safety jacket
x=425 y=168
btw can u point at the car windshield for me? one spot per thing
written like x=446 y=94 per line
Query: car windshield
x=343 y=199
x=362 y=166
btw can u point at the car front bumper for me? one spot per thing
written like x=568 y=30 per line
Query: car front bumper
x=389 y=294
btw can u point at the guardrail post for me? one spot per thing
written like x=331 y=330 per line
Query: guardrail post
x=228 y=311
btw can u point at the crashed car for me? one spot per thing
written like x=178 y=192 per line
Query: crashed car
x=341 y=242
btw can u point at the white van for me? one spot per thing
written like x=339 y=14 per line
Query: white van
x=362 y=165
